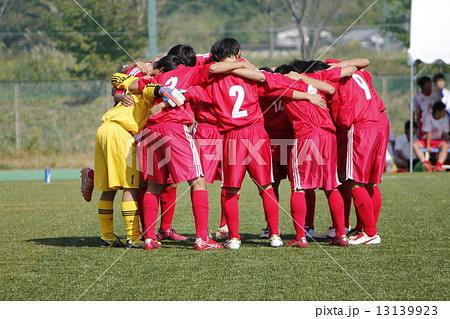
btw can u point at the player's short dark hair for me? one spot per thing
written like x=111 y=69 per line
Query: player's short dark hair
x=266 y=68
x=438 y=76
x=169 y=63
x=317 y=65
x=423 y=80
x=408 y=123
x=438 y=106
x=225 y=48
x=185 y=52
x=285 y=69
x=299 y=65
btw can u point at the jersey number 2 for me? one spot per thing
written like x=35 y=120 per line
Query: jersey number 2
x=237 y=90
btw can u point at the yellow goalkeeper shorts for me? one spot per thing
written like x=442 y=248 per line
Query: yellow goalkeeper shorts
x=115 y=158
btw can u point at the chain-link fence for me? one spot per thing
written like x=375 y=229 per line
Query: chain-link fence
x=62 y=117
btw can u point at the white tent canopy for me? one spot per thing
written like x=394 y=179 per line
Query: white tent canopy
x=429 y=31
x=429 y=40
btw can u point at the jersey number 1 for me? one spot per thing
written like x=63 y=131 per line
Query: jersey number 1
x=239 y=91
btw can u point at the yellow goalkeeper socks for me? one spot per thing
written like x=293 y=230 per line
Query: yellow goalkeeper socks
x=130 y=214
x=105 y=213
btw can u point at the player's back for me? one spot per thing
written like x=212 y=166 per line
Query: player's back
x=357 y=101
x=236 y=102
x=181 y=78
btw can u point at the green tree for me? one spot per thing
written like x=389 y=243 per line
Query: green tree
x=397 y=15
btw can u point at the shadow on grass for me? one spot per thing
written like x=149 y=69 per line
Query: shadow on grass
x=67 y=241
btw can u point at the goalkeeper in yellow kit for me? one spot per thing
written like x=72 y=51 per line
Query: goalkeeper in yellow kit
x=115 y=164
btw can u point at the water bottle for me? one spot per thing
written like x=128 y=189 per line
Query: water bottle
x=48 y=175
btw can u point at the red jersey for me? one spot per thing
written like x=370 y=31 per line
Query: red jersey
x=204 y=59
x=303 y=115
x=181 y=78
x=276 y=121
x=355 y=100
x=235 y=101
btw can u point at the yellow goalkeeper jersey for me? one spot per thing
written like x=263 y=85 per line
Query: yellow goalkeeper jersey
x=132 y=118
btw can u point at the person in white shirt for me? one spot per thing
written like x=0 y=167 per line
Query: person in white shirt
x=423 y=104
x=403 y=147
x=436 y=128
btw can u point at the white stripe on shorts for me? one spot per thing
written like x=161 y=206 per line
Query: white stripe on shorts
x=295 y=173
x=349 y=160
x=197 y=164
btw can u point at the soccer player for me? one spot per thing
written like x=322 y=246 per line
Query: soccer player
x=436 y=128
x=358 y=110
x=114 y=143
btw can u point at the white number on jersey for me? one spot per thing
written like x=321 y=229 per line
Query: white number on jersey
x=172 y=82
x=311 y=89
x=279 y=107
x=239 y=91
x=363 y=85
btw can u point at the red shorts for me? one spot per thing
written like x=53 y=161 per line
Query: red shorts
x=433 y=143
x=209 y=145
x=246 y=149
x=366 y=152
x=281 y=151
x=313 y=161
x=341 y=139
x=168 y=154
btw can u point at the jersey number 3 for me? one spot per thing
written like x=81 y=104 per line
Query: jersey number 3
x=237 y=90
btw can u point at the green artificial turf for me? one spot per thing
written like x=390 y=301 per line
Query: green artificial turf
x=51 y=250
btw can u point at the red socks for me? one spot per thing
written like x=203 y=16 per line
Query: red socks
x=150 y=209
x=310 y=196
x=347 y=198
x=336 y=204
x=168 y=200
x=231 y=208
x=375 y=195
x=223 y=220
x=200 y=207
x=363 y=204
x=298 y=212
x=271 y=210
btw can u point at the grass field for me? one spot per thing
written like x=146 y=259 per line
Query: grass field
x=51 y=250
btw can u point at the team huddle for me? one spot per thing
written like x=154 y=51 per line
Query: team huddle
x=319 y=124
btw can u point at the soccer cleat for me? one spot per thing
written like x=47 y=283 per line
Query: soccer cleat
x=309 y=232
x=363 y=239
x=87 y=183
x=208 y=244
x=275 y=241
x=222 y=233
x=353 y=233
x=339 y=241
x=302 y=243
x=439 y=169
x=151 y=243
x=233 y=243
x=265 y=234
x=134 y=244
x=169 y=234
x=329 y=233
x=111 y=242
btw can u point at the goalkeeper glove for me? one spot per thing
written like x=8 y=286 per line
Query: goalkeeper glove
x=172 y=96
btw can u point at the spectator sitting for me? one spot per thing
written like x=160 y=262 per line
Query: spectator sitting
x=436 y=128
x=403 y=147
